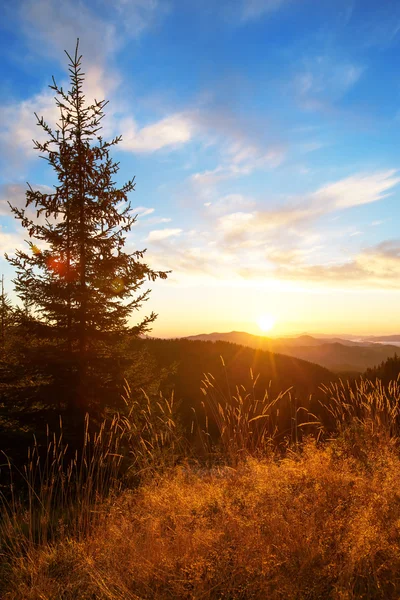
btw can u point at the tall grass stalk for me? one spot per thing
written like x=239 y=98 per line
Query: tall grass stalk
x=248 y=423
x=152 y=432
x=64 y=496
x=60 y=495
x=363 y=403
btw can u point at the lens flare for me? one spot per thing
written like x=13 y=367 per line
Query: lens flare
x=118 y=285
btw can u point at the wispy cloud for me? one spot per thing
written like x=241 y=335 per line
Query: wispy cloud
x=254 y=9
x=142 y=211
x=244 y=160
x=162 y=234
x=18 y=127
x=373 y=267
x=50 y=27
x=346 y=193
x=323 y=80
x=363 y=188
x=174 y=130
x=229 y=203
x=241 y=239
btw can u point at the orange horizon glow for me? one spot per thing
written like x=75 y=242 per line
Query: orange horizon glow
x=218 y=306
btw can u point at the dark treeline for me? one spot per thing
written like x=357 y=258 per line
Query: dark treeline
x=387 y=371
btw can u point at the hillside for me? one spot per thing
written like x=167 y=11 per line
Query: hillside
x=193 y=358
x=153 y=365
x=334 y=354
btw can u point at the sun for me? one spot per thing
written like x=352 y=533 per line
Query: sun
x=266 y=322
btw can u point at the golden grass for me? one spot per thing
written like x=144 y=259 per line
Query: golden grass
x=364 y=401
x=66 y=496
x=320 y=521
x=314 y=525
x=60 y=495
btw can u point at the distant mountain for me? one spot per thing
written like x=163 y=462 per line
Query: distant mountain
x=335 y=354
x=308 y=340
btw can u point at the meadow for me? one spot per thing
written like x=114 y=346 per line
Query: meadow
x=147 y=511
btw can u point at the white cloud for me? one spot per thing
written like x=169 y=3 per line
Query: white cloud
x=241 y=160
x=142 y=211
x=137 y=16
x=15 y=194
x=50 y=27
x=241 y=238
x=243 y=144
x=374 y=267
x=377 y=267
x=346 y=193
x=359 y=189
x=230 y=202
x=236 y=225
x=53 y=26
x=158 y=235
x=158 y=220
x=10 y=241
x=173 y=130
x=19 y=127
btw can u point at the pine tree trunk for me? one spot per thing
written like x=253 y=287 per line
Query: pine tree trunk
x=82 y=261
x=3 y=309
x=68 y=273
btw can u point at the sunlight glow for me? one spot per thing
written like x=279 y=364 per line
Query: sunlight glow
x=266 y=322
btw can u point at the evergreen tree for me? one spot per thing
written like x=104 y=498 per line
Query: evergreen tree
x=76 y=278
x=7 y=315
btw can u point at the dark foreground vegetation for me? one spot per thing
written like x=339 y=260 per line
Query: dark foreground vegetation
x=150 y=513
x=36 y=386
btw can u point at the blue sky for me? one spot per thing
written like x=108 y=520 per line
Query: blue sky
x=264 y=138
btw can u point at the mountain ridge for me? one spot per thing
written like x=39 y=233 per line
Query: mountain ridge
x=335 y=354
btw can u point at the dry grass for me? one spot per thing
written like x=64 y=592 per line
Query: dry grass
x=60 y=494
x=250 y=422
x=314 y=525
x=66 y=496
x=321 y=522
x=363 y=402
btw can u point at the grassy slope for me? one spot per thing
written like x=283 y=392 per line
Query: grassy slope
x=321 y=524
x=321 y=520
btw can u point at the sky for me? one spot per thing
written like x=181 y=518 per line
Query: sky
x=264 y=139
